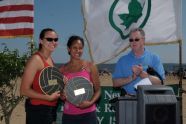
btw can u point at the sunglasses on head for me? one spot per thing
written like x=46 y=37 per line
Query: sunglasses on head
x=51 y=39
x=132 y=40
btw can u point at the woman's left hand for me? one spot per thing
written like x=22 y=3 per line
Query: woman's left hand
x=84 y=104
x=65 y=80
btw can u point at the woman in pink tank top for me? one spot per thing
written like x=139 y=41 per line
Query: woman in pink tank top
x=40 y=108
x=85 y=112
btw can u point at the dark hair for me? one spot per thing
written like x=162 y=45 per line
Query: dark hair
x=42 y=34
x=73 y=39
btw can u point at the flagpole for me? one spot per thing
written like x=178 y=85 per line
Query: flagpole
x=31 y=46
x=180 y=88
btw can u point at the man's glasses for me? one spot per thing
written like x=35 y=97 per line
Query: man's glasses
x=51 y=39
x=132 y=40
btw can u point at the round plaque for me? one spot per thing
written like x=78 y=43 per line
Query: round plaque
x=51 y=80
x=78 y=89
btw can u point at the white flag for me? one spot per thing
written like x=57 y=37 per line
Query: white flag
x=108 y=22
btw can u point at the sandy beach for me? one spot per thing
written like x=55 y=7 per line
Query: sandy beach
x=18 y=116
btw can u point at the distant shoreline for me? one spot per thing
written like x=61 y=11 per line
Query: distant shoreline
x=168 y=67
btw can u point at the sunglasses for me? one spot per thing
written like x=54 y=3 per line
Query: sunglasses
x=51 y=39
x=132 y=40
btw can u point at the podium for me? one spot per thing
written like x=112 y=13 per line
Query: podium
x=153 y=104
x=126 y=110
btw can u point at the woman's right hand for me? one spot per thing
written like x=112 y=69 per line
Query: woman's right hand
x=63 y=96
x=65 y=80
x=62 y=93
x=54 y=96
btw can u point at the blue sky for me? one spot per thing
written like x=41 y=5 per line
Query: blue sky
x=66 y=18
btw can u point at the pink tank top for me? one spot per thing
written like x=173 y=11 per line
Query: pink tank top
x=70 y=108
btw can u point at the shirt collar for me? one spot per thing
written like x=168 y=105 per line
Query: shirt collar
x=145 y=51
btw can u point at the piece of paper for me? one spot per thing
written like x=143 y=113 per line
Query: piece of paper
x=79 y=91
x=144 y=81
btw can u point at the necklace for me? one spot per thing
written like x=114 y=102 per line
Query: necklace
x=75 y=67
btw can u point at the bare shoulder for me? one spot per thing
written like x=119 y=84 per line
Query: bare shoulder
x=34 y=62
x=87 y=64
x=91 y=66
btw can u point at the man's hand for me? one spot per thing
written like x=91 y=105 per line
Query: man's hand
x=137 y=69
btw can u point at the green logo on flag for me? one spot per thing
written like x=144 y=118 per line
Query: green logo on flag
x=124 y=15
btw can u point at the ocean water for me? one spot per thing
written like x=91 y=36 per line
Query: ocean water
x=169 y=67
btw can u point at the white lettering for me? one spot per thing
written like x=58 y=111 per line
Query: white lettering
x=108 y=108
x=111 y=95
x=98 y=109
x=112 y=120
x=100 y=119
